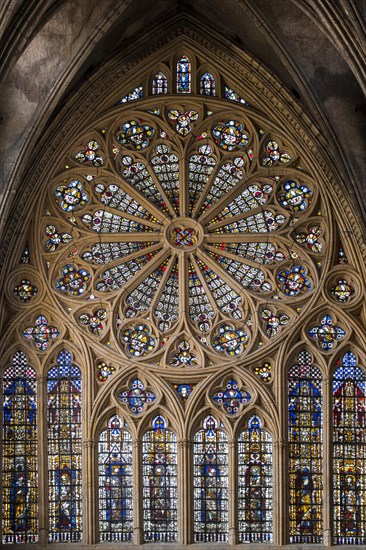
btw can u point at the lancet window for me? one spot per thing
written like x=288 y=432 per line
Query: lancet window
x=20 y=468
x=64 y=450
x=160 y=483
x=255 y=490
x=115 y=483
x=210 y=477
x=305 y=451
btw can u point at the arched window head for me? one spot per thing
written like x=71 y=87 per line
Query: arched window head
x=160 y=493
x=115 y=483
x=207 y=84
x=255 y=509
x=305 y=451
x=205 y=231
x=184 y=76
x=64 y=450
x=20 y=468
x=159 y=84
x=349 y=451
x=210 y=478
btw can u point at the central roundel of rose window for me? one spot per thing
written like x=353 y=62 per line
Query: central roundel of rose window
x=184 y=234
x=204 y=231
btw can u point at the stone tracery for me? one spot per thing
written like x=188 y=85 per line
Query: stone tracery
x=183 y=245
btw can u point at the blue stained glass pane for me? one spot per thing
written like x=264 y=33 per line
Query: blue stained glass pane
x=184 y=75
x=19 y=475
x=159 y=84
x=210 y=477
x=305 y=451
x=349 y=452
x=64 y=450
x=136 y=397
x=115 y=483
x=255 y=483
x=207 y=84
x=160 y=497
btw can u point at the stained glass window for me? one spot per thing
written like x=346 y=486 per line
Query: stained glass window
x=140 y=299
x=20 y=478
x=136 y=93
x=210 y=478
x=159 y=83
x=160 y=494
x=184 y=75
x=305 y=451
x=115 y=483
x=207 y=84
x=185 y=227
x=166 y=167
x=349 y=451
x=25 y=258
x=255 y=483
x=196 y=255
x=64 y=450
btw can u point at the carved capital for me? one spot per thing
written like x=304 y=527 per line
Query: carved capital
x=280 y=444
x=89 y=443
x=184 y=444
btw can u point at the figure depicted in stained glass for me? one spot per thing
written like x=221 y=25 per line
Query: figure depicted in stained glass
x=184 y=75
x=349 y=448
x=64 y=449
x=207 y=84
x=20 y=495
x=159 y=449
x=65 y=494
x=159 y=83
x=305 y=450
x=210 y=455
x=255 y=483
x=115 y=483
x=182 y=120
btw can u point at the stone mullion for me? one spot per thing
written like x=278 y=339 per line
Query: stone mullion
x=43 y=492
x=185 y=474
x=89 y=492
x=89 y=475
x=327 y=462
x=138 y=527
x=280 y=492
x=233 y=492
x=183 y=188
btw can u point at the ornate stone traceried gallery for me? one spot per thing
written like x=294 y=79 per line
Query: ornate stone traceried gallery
x=184 y=357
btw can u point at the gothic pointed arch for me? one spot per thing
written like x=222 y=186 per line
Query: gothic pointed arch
x=189 y=248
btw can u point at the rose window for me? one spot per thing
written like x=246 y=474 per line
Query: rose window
x=186 y=229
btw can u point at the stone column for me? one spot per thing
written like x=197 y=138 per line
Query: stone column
x=89 y=491
x=185 y=477
x=280 y=492
x=42 y=460
x=138 y=530
x=327 y=462
x=233 y=487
